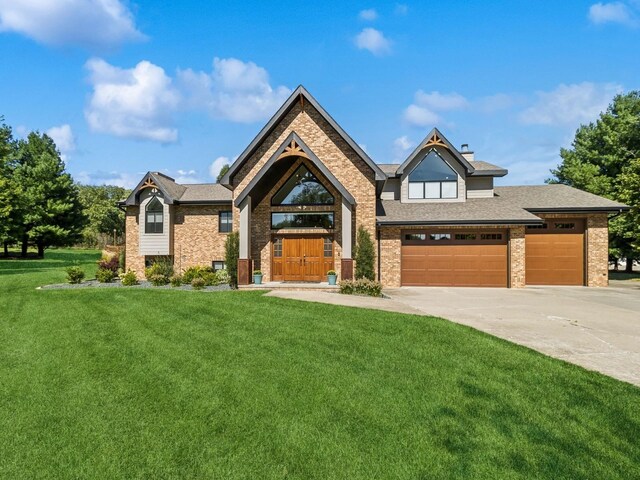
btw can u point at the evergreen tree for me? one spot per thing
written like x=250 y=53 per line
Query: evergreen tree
x=51 y=210
x=99 y=203
x=364 y=255
x=9 y=208
x=231 y=255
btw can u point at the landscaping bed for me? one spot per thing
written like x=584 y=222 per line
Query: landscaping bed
x=118 y=284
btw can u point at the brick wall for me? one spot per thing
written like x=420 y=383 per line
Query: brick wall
x=196 y=239
x=341 y=160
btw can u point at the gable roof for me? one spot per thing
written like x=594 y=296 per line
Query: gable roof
x=293 y=137
x=297 y=94
x=486 y=169
x=176 y=193
x=435 y=138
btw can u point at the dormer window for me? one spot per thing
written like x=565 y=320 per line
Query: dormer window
x=154 y=216
x=302 y=188
x=433 y=178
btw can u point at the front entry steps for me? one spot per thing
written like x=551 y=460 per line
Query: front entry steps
x=306 y=286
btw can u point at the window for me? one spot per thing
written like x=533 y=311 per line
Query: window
x=465 y=236
x=565 y=226
x=225 y=222
x=153 y=216
x=277 y=247
x=328 y=247
x=302 y=220
x=302 y=188
x=415 y=236
x=440 y=236
x=537 y=227
x=433 y=178
x=490 y=236
x=218 y=265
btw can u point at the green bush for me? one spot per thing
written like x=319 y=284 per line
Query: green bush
x=364 y=255
x=129 y=279
x=105 y=275
x=109 y=263
x=74 y=274
x=210 y=278
x=198 y=283
x=222 y=277
x=195 y=272
x=158 y=280
x=122 y=257
x=361 y=286
x=231 y=255
x=161 y=266
x=176 y=281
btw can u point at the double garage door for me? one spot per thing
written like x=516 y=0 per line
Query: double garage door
x=456 y=258
x=554 y=255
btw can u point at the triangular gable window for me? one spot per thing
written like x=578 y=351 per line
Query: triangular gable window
x=433 y=168
x=302 y=188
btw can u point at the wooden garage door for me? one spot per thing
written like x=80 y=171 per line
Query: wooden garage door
x=554 y=253
x=456 y=258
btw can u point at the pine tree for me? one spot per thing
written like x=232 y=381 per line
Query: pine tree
x=364 y=255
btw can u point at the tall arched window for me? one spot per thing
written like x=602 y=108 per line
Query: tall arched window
x=154 y=216
x=302 y=188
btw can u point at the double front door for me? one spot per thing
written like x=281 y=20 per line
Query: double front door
x=301 y=259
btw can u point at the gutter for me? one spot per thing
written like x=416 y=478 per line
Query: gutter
x=458 y=222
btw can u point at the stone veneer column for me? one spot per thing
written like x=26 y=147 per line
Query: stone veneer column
x=597 y=243
x=517 y=257
x=244 y=260
x=390 y=252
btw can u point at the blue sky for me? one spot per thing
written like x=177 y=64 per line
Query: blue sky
x=182 y=87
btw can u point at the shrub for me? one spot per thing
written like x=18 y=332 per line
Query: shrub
x=222 y=277
x=195 y=272
x=209 y=278
x=364 y=254
x=331 y=272
x=176 y=281
x=75 y=274
x=231 y=254
x=158 y=280
x=361 y=286
x=129 y=278
x=257 y=272
x=198 y=283
x=161 y=266
x=104 y=275
x=111 y=263
x=122 y=258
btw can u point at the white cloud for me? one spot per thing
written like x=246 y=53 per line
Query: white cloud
x=374 y=41
x=368 y=14
x=614 y=12
x=119 y=179
x=64 y=139
x=423 y=112
x=135 y=103
x=401 y=147
x=187 y=176
x=216 y=166
x=235 y=90
x=401 y=9
x=570 y=104
x=493 y=103
x=85 y=23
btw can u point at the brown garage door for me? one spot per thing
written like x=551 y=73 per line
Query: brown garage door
x=456 y=258
x=554 y=252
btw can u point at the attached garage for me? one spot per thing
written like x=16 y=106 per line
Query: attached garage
x=454 y=258
x=554 y=252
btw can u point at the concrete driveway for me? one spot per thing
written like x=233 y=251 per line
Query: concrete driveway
x=597 y=328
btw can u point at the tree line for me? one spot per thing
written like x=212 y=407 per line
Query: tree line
x=40 y=204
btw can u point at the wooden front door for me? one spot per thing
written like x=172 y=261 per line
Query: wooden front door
x=301 y=259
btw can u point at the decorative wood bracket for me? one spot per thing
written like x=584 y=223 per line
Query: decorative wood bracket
x=293 y=150
x=148 y=183
x=435 y=141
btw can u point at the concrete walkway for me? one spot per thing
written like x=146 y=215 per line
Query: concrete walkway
x=596 y=328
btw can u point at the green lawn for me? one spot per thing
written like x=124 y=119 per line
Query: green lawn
x=134 y=383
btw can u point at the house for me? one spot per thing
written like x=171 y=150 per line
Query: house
x=302 y=187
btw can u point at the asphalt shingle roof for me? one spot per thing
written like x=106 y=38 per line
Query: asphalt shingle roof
x=555 y=197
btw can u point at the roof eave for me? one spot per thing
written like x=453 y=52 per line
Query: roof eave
x=621 y=208
x=489 y=173
x=459 y=222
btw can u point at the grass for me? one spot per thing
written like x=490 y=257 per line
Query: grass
x=119 y=383
x=624 y=275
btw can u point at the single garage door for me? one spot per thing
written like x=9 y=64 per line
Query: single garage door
x=554 y=252
x=458 y=259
